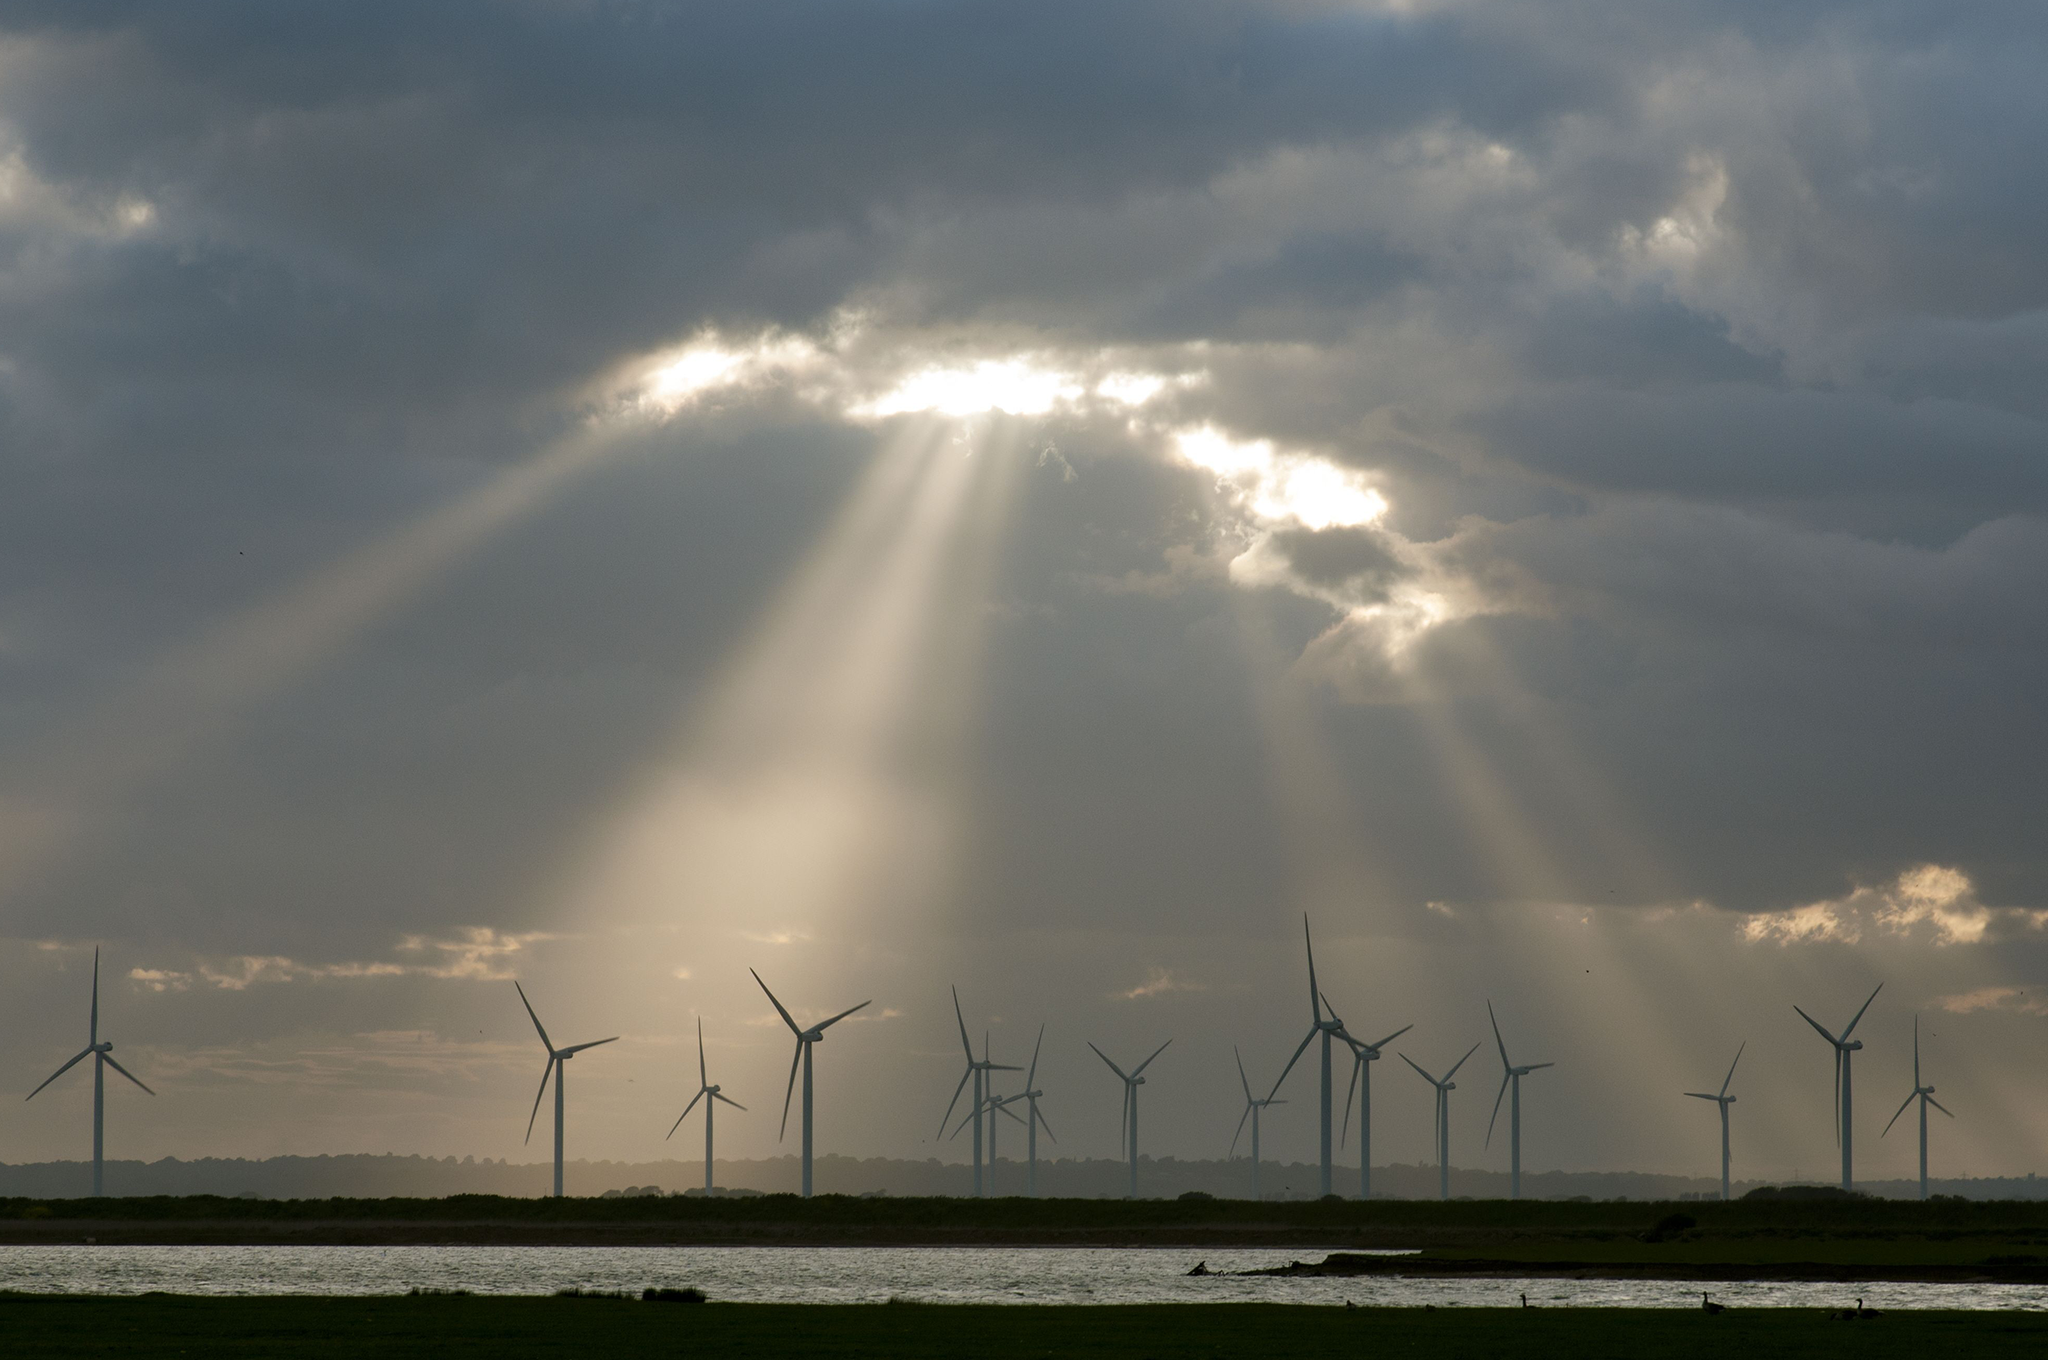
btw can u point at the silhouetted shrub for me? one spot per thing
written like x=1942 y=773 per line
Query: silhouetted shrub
x=672 y=1296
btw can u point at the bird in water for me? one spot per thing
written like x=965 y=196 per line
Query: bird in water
x=1707 y=1305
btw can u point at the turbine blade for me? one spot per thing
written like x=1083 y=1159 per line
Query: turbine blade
x=1240 y=1127
x=1335 y=1018
x=720 y=1095
x=827 y=1024
x=1105 y=1057
x=1243 y=1081
x=1012 y=1114
x=1866 y=1006
x=1350 y=1090
x=1916 y=1050
x=1818 y=1026
x=545 y=1073
x=1497 y=1039
x=684 y=1115
x=1838 y=1096
x=1300 y=1049
x=1418 y=1068
x=1000 y=1067
x=1031 y=1078
x=1148 y=1062
x=1895 y=1118
x=95 y=1030
x=1536 y=1067
x=1041 y=1121
x=1701 y=1095
x=703 y=1076
x=1496 y=1108
x=1461 y=1062
x=1123 y=1115
x=965 y=1042
x=548 y=1043
x=779 y=1010
x=789 y=1090
x=1939 y=1106
x=965 y=1120
x=965 y=1077
x=60 y=1072
x=126 y=1073
x=1731 y=1067
x=594 y=1043
x=1390 y=1038
x=1315 y=1002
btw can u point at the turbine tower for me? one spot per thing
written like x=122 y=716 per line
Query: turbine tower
x=102 y=1058
x=1330 y=1028
x=1443 y=1117
x=704 y=1089
x=1252 y=1106
x=1128 y=1121
x=1925 y=1095
x=805 y=1040
x=1845 y=1049
x=1511 y=1076
x=1361 y=1085
x=978 y=1073
x=995 y=1105
x=558 y=1068
x=1724 y=1100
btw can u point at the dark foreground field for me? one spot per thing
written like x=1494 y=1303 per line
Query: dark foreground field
x=2005 y=1241
x=446 y=1328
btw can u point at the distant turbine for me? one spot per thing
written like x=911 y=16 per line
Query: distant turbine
x=1361 y=1084
x=1925 y=1095
x=1030 y=1096
x=1330 y=1028
x=1724 y=1100
x=1128 y=1121
x=995 y=1105
x=805 y=1039
x=558 y=1068
x=1511 y=1076
x=102 y=1058
x=977 y=1071
x=1845 y=1048
x=704 y=1088
x=1443 y=1117
x=1252 y=1106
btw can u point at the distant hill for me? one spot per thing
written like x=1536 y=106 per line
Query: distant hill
x=372 y=1176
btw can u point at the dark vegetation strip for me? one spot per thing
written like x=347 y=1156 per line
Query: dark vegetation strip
x=451 y=1327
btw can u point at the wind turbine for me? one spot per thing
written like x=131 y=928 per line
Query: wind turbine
x=978 y=1071
x=704 y=1088
x=1925 y=1095
x=995 y=1105
x=1329 y=1028
x=1724 y=1100
x=805 y=1039
x=1029 y=1095
x=1129 y=1118
x=558 y=1068
x=1252 y=1106
x=1361 y=1084
x=1443 y=1117
x=1845 y=1048
x=1511 y=1077
x=102 y=1058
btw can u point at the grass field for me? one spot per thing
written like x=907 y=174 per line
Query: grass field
x=451 y=1327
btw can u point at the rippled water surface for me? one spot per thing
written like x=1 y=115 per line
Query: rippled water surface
x=874 y=1274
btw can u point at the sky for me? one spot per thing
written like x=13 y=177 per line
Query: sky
x=1036 y=496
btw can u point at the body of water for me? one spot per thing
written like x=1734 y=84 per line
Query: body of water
x=1019 y=1275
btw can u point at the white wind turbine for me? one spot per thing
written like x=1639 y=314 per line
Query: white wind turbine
x=1511 y=1077
x=1030 y=1096
x=1360 y=1084
x=708 y=1094
x=977 y=1071
x=805 y=1040
x=102 y=1058
x=1845 y=1049
x=995 y=1105
x=1724 y=1100
x=1925 y=1095
x=1129 y=1119
x=1443 y=1117
x=1252 y=1106
x=558 y=1068
x=1330 y=1028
